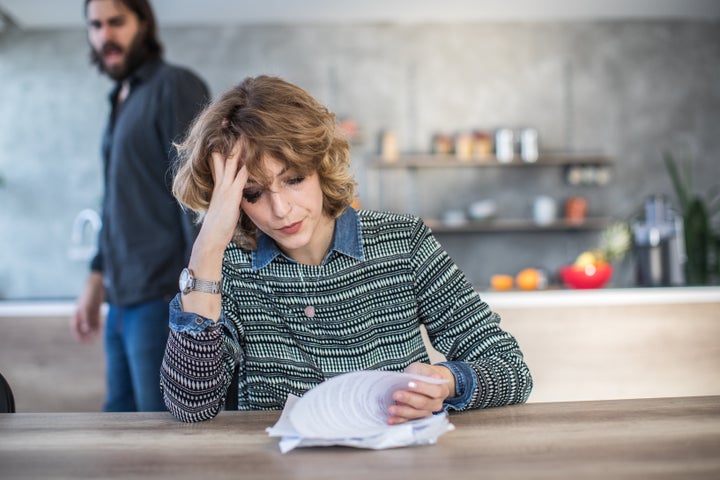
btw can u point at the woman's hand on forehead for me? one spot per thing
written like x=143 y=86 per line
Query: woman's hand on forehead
x=229 y=177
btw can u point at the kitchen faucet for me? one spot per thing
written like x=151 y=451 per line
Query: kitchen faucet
x=83 y=242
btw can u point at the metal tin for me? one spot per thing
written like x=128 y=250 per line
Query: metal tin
x=529 y=145
x=504 y=145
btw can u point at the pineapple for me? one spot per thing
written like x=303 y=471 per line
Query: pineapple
x=614 y=243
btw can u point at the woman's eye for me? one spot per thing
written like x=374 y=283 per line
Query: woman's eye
x=296 y=180
x=252 y=196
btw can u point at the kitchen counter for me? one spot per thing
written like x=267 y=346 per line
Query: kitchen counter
x=514 y=299
x=602 y=296
x=616 y=343
x=579 y=345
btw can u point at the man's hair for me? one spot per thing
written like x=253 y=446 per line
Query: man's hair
x=151 y=42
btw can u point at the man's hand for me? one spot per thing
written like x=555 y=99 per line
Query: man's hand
x=85 y=322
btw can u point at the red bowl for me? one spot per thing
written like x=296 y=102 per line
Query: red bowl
x=592 y=276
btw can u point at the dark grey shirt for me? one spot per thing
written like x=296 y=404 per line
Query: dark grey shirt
x=146 y=238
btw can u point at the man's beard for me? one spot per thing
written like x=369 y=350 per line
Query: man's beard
x=135 y=55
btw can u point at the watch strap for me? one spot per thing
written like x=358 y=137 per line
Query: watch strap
x=206 y=286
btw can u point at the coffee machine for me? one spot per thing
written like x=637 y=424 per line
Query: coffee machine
x=659 y=245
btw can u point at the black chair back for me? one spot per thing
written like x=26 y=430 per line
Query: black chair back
x=7 y=401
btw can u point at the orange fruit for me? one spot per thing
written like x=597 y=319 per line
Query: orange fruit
x=529 y=279
x=501 y=282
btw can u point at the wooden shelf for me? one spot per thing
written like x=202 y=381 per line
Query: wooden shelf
x=414 y=161
x=516 y=225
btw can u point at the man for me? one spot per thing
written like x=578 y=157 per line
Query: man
x=146 y=238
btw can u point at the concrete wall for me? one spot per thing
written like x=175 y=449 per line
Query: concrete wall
x=629 y=89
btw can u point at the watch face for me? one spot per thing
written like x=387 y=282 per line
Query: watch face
x=184 y=282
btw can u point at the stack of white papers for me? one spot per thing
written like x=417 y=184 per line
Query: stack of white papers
x=351 y=410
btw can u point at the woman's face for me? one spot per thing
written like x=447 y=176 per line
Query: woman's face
x=290 y=211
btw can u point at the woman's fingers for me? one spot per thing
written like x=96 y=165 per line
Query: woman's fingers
x=435 y=371
x=402 y=413
x=421 y=396
x=229 y=177
x=229 y=174
x=418 y=400
x=217 y=163
x=223 y=168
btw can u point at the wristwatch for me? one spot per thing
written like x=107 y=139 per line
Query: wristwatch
x=188 y=283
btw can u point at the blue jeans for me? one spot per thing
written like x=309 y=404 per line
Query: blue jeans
x=135 y=339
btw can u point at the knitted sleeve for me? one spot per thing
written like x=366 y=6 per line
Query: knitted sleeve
x=196 y=372
x=462 y=327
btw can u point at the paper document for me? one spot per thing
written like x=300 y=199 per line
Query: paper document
x=351 y=410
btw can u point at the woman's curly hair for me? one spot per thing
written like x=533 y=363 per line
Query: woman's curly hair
x=264 y=116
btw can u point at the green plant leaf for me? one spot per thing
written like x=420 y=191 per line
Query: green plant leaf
x=688 y=176
x=681 y=190
x=713 y=204
x=697 y=236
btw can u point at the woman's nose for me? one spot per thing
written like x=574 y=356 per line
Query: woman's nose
x=279 y=204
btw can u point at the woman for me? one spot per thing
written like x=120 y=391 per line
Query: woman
x=296 y=286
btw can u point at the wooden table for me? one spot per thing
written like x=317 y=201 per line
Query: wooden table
x=673 y=438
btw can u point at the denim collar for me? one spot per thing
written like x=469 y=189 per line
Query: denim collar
x=347 y=240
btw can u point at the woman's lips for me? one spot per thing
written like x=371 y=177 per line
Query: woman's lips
x=292 y=228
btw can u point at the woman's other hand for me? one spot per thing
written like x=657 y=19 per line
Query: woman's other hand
x=421 y=399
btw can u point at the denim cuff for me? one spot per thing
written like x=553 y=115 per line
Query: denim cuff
x=465 y=385
x=188 y=322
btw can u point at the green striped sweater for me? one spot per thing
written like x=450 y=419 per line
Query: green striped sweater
x=368 y=315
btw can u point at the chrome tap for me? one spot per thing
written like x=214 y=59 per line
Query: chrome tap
x=83 y=242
